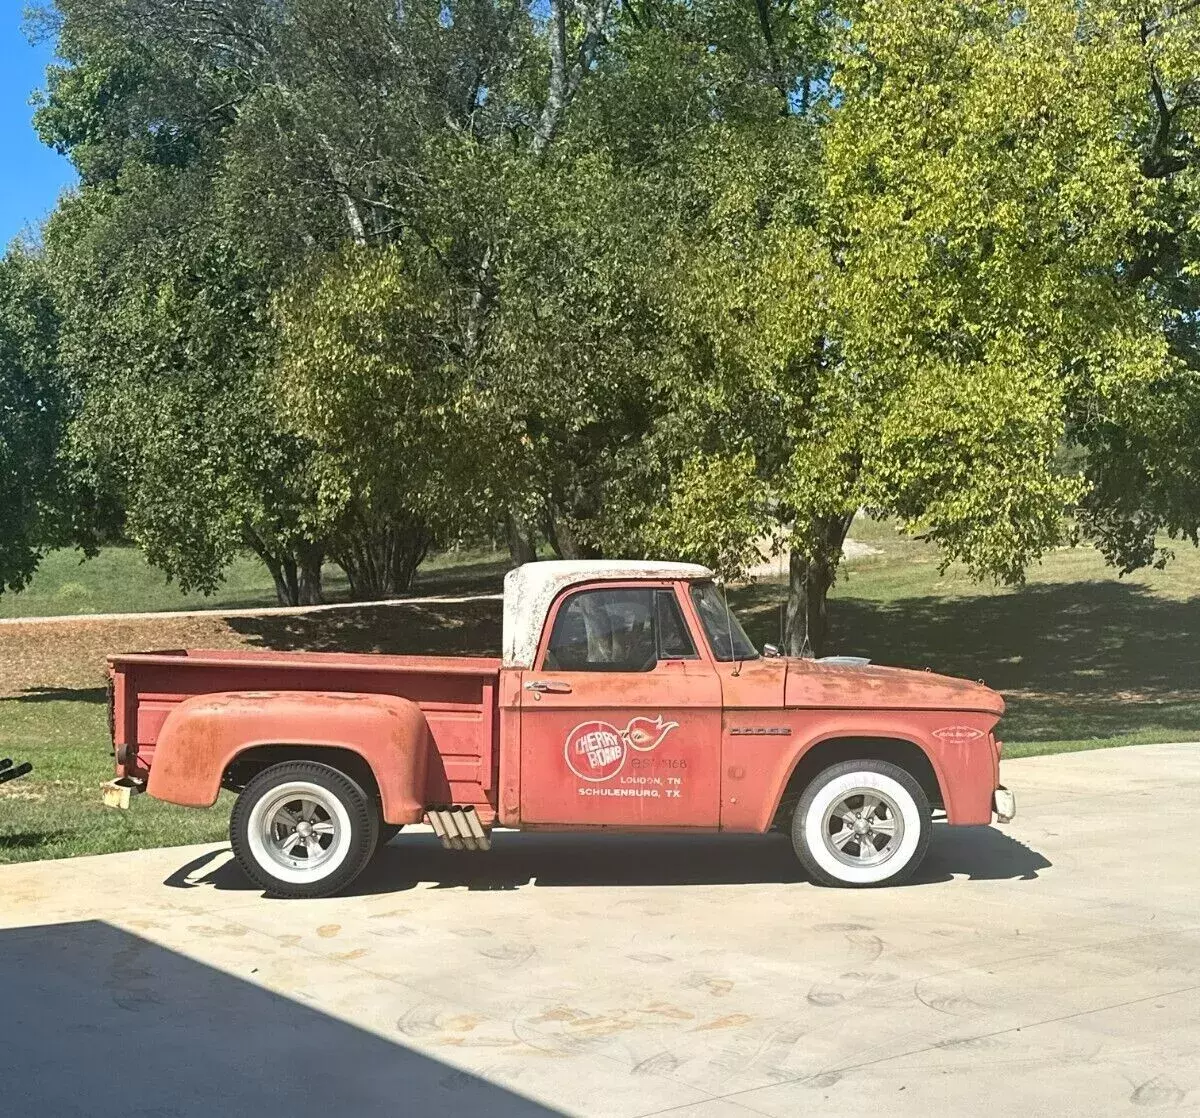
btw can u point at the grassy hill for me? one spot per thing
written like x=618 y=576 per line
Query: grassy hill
x=119 y=580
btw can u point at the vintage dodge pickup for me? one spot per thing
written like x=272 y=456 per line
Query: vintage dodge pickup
x=628 y=698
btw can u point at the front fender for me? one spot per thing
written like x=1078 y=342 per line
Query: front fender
x=202 y=736
x=965 y=770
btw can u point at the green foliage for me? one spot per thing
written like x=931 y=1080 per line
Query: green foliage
x=715 y=512
x=666 y=277
x=983 y=189
x=912 y=296
x=161 y=324
x=35 y=495
x=366 y=372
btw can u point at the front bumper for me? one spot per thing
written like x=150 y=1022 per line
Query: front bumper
x=1004 y=804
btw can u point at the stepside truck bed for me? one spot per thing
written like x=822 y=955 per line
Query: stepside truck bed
x=458 y=696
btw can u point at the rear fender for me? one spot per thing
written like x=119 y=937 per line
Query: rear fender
x=204 y=735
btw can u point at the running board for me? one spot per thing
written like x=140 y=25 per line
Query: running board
x=458 y=828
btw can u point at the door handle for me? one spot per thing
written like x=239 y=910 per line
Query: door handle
x=555 y=685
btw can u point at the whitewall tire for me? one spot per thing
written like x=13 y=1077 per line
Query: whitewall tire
x=862 y=823
x=303 y=829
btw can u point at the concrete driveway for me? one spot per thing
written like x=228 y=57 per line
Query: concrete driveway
x=1051 y=967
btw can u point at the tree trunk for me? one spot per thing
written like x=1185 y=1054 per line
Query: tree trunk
x=363 y=555
x=310 y=559
x=810 y=577
x=408 y=553
x=282 y=568
x=569 y=62
x=282 y=590
x=381 y=558
x=563 y=540
x=520 y=539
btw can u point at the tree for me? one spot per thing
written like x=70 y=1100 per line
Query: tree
x=161 y=333
x=34 y=493
x=594 y=381
x=162 y=284
x=912 y=320
x=671 y=277
x=296 y=130
x=367 y=371
x=1142 y=457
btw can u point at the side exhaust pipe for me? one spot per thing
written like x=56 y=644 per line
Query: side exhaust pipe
x=458 y=828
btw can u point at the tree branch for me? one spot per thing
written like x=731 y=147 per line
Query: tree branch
x=565 y=78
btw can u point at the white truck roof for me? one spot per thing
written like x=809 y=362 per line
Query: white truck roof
x=529 y=591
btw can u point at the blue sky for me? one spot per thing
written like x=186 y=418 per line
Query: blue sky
x=31 y=175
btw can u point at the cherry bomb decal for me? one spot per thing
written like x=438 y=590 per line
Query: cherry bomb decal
x=596 y=751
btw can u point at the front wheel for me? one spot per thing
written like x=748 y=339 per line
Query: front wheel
x=862 y=823
x=303 y=829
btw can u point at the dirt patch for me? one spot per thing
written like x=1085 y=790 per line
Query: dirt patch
x=69 y=656
x=776 y=566
x=469 y=628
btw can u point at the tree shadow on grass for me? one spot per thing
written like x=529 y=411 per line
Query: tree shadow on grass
x=1076 y=660
x=58 y=694
x=101 y=1022
x=568 y=860
x=451 y=629
x=485 y=576
x=28 y=840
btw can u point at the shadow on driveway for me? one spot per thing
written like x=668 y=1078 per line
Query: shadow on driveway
x=100 y=1023
x=519 y=860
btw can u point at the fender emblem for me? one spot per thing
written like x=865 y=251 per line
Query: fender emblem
x=958 y=733
x=760 y=731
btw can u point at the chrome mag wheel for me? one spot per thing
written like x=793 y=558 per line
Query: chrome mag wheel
x=301 y=828
x=863 y=827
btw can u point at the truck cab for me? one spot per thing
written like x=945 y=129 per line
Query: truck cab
x=628 y=697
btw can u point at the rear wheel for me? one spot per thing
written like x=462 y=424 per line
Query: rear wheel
x=303 y=829
x=862 y=823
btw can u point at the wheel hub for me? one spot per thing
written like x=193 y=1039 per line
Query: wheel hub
x=299 y=831
x=863 y=827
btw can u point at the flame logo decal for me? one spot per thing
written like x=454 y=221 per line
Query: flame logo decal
x=596 y=751
x=645 y=734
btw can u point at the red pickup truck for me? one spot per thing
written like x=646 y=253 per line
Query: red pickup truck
x=628 y=698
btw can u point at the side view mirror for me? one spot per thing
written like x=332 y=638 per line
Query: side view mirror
x=770 y=651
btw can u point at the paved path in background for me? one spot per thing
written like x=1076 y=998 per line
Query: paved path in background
x=1047 y=968
x=261 y=611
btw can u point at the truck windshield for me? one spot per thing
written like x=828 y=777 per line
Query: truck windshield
x=726 y=637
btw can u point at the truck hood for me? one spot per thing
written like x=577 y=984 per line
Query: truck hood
x=812 y=683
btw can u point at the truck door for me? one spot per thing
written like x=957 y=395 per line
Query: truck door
x=621 y=716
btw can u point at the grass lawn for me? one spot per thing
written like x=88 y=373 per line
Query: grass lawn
x=55 y=812
x=119 y=580
x=1085 y=660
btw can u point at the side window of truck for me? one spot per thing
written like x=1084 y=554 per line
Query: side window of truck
x=674 y=640
x=618 y=630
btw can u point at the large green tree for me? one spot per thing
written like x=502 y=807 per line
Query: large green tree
x=259 y=140
x=916 y=299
